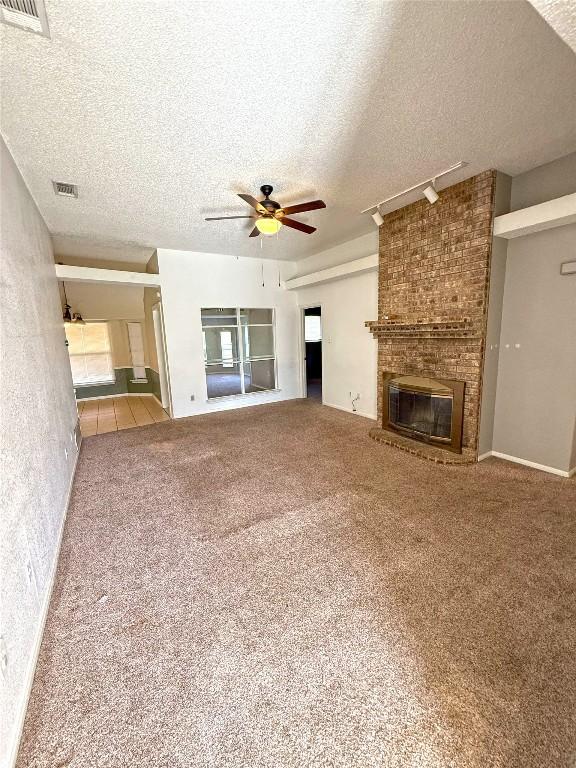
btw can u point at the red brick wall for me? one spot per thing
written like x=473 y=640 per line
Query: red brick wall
x=435 y=266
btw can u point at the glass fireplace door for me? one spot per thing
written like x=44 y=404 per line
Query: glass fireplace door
x=427 y=414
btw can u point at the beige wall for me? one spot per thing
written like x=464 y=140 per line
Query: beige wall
x=106 y=302
x=38 y=416
x=544 y=183
x=494 y=320
x=536 y=399
x=535 y=411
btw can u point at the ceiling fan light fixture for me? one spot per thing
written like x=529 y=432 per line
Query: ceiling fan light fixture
x=268 y=225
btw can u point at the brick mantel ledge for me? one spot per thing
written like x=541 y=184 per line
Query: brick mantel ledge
x=423 y=329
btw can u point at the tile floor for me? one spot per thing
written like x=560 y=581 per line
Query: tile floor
x=110 y=414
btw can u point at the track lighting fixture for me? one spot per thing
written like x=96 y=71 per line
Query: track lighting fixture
x=430 y=194
x=426 y=187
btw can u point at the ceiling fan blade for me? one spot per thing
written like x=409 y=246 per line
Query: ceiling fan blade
x=253 y=202
x=311 y=206
x=297 y=225
x=219 y=218
x=255 y=232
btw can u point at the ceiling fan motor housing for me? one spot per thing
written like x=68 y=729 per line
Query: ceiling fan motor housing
x=270 y=205
x=270 y=215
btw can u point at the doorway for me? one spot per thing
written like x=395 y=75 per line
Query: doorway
x=160 y=342
x=117 y=350
x=313 y=352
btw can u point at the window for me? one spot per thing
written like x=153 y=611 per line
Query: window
x=136 y=341
x=238 y=351
x=312 y=328
x=90 y=355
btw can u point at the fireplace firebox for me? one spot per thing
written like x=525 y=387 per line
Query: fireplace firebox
x=425 y=409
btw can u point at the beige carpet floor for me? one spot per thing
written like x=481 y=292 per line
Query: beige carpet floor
x=269 y=588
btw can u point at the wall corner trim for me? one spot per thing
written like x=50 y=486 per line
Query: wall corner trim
x=31 y=672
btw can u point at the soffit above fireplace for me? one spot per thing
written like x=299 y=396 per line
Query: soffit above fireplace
x=437 y=329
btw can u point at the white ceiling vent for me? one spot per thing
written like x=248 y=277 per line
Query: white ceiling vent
x=27 y=14
x=63 y=189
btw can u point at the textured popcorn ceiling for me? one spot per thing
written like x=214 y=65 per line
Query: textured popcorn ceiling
x=561 y=15
x=69 y=247
x=160 y=111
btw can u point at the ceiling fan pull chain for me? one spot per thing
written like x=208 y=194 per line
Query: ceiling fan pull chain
x=262 y=273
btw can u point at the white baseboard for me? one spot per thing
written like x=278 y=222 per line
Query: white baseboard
x=349 y=410
x=29 y=681
x=526 y=463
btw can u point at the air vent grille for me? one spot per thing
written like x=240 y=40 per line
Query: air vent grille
x=27 y=14
x=65 y=190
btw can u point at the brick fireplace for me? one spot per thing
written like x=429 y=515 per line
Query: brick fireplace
x=433 y=282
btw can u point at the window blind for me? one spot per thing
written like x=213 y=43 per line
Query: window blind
x=90 y=354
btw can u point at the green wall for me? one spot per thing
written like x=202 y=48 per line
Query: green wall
x=122 y=386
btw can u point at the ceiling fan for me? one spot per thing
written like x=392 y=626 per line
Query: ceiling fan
x=270 y=215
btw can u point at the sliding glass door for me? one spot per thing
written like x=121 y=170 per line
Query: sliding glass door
x=239 y=352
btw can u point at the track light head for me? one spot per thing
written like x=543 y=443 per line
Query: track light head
x=377 y=216
x=430 y=194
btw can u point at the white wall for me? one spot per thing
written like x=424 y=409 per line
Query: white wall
x=38 y=416
x=192 y=281
x=365 y=245
x=349 y=351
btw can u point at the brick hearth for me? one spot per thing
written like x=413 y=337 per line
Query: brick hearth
x=433 y=285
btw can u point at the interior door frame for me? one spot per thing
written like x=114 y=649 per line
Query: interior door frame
x=160 y=337
x=302 y=346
